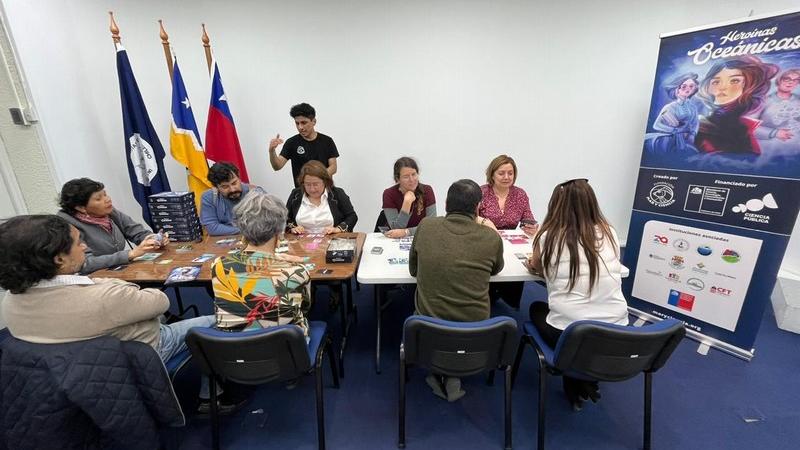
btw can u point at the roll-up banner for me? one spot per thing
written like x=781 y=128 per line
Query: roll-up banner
x=719 y=184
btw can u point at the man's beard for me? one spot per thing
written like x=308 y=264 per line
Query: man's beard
x=234 y=196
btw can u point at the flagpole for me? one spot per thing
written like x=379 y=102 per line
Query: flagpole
x=165 y=42
x=207 y=47
x=114 y=29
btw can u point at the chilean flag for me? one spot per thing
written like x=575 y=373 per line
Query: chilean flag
x=222 y=143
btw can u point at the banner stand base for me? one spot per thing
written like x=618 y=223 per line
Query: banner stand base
x=705 y=341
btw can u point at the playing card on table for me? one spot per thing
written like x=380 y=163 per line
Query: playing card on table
x=203 y=258
x=164 y=261
x=314 y=244
x=227 y=242
x=147 y=257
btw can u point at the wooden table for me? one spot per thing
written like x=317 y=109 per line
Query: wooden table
x=150 y=273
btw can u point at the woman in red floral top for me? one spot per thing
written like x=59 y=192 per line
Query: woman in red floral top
x=504 y=207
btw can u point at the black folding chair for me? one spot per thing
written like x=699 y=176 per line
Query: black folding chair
x=256 y=357
x=599 y=351
x=457 y=349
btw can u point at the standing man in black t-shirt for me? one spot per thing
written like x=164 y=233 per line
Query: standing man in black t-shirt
x=305 y=146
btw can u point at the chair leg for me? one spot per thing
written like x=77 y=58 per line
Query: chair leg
x=212 y=384
x=648 y=408
x=320 y=408
x=401 y=407
x=518 y=360
x=507 y=386
x=542 y=399
x=333 y=361
x=179 y=302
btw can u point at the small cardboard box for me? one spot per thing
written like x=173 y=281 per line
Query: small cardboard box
x=171 y=197
x=185 y=221
x=175 y=208
x=341 y=250
x=190 y=237
x=786 y=303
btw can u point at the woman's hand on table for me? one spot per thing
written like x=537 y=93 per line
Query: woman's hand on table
x=297 y=230
x=331 y=230
x=397 y=234
x=147 y=245
x=530 y=230
x=531 y=269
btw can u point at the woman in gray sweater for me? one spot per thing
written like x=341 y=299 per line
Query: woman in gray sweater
x=106 y=231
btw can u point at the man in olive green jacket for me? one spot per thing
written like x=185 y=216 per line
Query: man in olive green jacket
x=452 y=258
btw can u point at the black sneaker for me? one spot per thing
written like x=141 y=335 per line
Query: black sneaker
x=226 y=406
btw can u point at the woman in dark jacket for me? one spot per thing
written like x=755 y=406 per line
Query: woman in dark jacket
x=317 y=206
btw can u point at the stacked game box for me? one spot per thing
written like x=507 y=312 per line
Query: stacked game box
x=174 y=212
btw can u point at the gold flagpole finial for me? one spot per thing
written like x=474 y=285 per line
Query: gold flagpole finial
x=207 y=47
x=114 y=28
x=205 y=38
x=165 y=42
x=163 y=33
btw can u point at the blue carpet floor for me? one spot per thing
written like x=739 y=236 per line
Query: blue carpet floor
x=699 y=402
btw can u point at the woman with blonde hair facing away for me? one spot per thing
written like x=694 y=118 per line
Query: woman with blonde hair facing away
x=407 y=202
x=505 y=206
x=577 y=252
x=316 y=205
x=257 y=288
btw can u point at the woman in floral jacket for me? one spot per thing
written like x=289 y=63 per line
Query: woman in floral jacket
x=256 y=288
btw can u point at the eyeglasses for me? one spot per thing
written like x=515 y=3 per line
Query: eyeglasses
x=313 y=185
x=572 y=181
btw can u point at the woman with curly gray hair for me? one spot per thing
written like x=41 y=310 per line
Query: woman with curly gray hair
x=257 y=288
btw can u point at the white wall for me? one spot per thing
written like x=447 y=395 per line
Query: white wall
x=564 y=87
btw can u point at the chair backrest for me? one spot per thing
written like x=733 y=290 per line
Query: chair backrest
x=251 y=357
x=459 y=348
x=381 y=222
x=608 y=352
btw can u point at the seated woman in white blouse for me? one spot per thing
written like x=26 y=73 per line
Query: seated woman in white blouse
x=577 y=252
x=317 y=206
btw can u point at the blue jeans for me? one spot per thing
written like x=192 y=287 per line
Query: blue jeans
x=173 y=336
x=173 y=341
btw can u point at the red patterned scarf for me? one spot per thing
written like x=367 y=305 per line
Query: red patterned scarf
x=102 y=222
